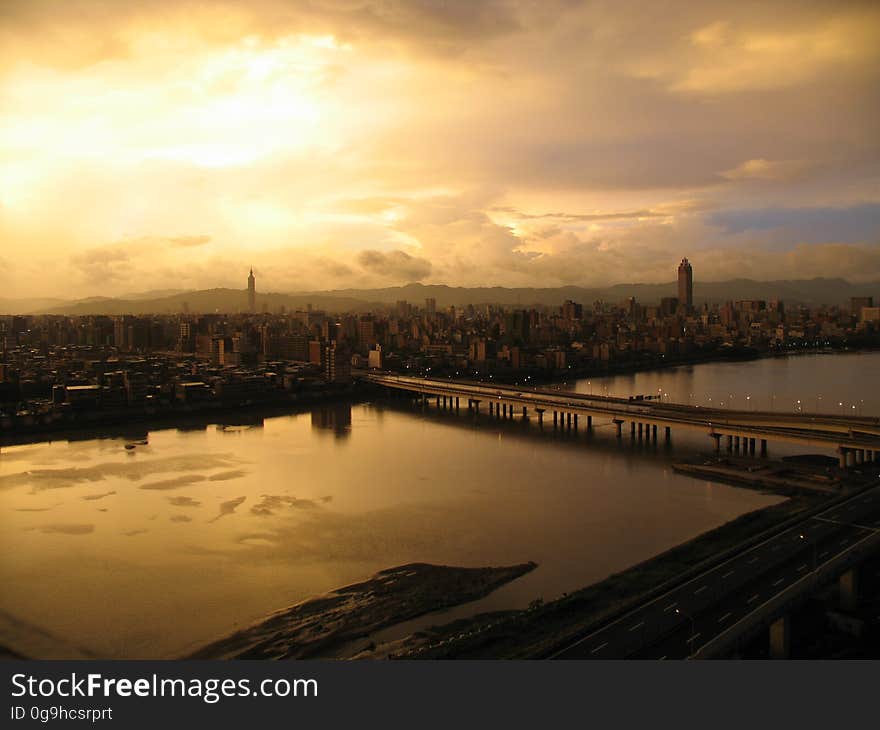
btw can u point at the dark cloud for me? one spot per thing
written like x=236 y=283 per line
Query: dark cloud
x=397 y=265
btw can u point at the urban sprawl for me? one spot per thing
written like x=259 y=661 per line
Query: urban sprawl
x=58 y=371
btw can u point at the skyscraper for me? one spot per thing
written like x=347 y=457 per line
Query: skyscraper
x=686 y=284
x=252 y=292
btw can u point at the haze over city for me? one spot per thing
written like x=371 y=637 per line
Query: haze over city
x=339 y=144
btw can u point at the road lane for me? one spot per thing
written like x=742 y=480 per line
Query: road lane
x=731 y=590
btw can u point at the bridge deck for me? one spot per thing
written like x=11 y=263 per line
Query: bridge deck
x=826 y=430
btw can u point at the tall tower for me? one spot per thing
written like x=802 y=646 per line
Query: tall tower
x=686 y=284
x=252 y=291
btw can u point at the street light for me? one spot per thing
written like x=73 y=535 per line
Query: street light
x=815 y=557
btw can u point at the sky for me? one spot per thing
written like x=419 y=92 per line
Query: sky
x=168 y=144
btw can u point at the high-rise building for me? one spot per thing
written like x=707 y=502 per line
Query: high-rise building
x=431 y=306
x=252 y=292
x=686 y=284
x=336 y=363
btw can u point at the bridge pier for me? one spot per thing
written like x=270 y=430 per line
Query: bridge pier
x=568 y=426
x=654 y=433
x=764 y=447
x=456 y=404
x=842 y=454
x=736 y=444
x=504 y=411
x=640 y=431
x=668 y=434
x=619 y=425
x=860 y=456
x=730 y=443
x=632 y=430
x=717 y=437
x=589 y=423
x=751 y=447
x=555 y=419
x=540 y=412
x=849 y=590
x=780 y=638
x=575 y=421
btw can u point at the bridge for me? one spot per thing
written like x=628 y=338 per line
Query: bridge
x=856 y=439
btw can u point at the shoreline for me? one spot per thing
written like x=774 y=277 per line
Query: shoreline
x=122 y=423
x=328 y=626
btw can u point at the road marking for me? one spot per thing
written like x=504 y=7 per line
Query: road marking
x=728 y=574
x=637 y=626
x=662 y=658
x=801 y=567
x=778 y=582
x=753 y=560
x=822 y=555
x=694 y=638
x=671 y=605
x=599 y=648
x=724 y=617
x=700 y=590
x=753 y=599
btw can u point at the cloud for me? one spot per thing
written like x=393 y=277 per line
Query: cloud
x=350 y=143
x=188 y=241
x=397 y=265
x=761 y=169
x=756 y=53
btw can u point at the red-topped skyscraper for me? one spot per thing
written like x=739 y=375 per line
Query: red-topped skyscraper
x=686 y=284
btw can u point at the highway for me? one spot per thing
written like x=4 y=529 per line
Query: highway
x=857 y=434
x=678 y=623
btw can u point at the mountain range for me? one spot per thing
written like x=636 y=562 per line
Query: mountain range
x=806 y=291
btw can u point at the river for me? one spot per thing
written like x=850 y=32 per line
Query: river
x=131 y=550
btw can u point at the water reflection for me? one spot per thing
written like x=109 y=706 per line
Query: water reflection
x=335 y=417
x=154 y=550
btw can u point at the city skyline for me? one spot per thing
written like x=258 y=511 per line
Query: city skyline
x=560 y=144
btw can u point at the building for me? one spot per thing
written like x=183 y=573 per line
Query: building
x=431 y=306
x=336 y=363
x=856 y=304
x=686 y=284
x=252 y=292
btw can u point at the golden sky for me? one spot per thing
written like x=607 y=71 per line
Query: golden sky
x=334 y=143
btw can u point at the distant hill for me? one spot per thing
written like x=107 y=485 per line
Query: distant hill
x=212 y=300
x=810 y=292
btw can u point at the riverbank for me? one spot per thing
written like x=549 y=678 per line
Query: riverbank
x=543 y=627
x=657 y=363
x=781 y=477
x=327 y=626
x=137 y=425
